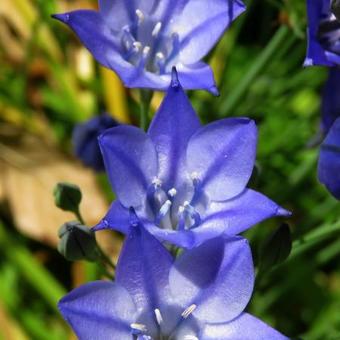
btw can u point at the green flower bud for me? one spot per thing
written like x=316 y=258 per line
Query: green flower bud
x=67 y=196
x=276 y=248
x=77 y=242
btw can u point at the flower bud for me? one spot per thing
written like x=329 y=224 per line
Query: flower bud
x=67 y=196
x=276 y=248
x=77 y=242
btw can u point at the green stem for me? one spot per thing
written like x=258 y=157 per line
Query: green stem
x=79 y=217
x=32 y=271
x=145 y=102
x=261 y=62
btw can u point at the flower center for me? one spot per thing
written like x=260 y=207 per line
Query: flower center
x=166 y=329
x=169 y=211
x=329 y=34
x=147 y=45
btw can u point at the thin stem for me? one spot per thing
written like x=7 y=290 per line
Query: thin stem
x=79 y=217
x=261 y=62
x=145 y=102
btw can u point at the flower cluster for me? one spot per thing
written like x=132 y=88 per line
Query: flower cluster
x=178 y=185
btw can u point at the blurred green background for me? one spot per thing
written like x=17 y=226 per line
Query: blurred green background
x=49 y=82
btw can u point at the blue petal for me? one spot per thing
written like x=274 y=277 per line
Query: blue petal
x=331 y=99
x=96 y=34
x=316 y=55
x=222 y=154
x=170 y=130
x=237 y=215
x=217 y=276
x=329 y=160
x=131 y=162
x=201 y=24
x=117 y=218
x=143 y=269
x=99 y=310
x=245 y=327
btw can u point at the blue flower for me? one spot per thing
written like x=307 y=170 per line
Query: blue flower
x=323 y=33
x=201 y=295
x=85 y=140
x=330 y=107
x=186 y=182
x=142 y=40
x=329 y=160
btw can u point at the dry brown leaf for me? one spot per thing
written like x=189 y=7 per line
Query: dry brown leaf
x=31 y=170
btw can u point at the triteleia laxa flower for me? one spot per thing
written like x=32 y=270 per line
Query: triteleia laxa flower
x=142 y=40
x=186 y=182
x=201 y=295
x=85 y=140
x=323 y=33
x=329 y=160
x=330 y=100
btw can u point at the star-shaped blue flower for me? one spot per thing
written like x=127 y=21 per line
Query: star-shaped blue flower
x=323 y=33
x=187 y=182
x=201 y=295
x=142 y=40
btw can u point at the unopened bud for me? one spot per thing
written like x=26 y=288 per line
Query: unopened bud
x=67 y=196
x=276 y=248
x=77 y=242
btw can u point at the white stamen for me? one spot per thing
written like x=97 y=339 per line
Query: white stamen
x=137 y=45
x=146 y=51
x=156 y=29
x=190 y=337
x=157 y=182
x=181 y=209
x=139 y=327
x=189 y=311
x=186 y=204
x=194 y=175
x=159 y=317
x=160 y=56
x=140 y=16
x=172 y=192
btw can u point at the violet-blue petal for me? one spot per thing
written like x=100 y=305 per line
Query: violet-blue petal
x=143 y=269
x=244 y=327
x=217 y=276
x=131 y=162
x=170 y=130
x=201 y=23
x=99 y=310
x=329 y=160
x=117 y=218
x=330 y=99
x=222 y=155
x=197 y=76
x=97 y=37
x=240 y=213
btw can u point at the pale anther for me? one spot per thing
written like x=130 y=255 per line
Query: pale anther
x=159 y=317
x=194 y=175
x=190 y=337
x=172 y=192
x=186 y=204
x=140 y=15
x=146 y=51
x=160 y=56
x=139 y=327
x=157 y=182
x=189 y=311
x=181 y=209
x=156 y=29
x=137 y=45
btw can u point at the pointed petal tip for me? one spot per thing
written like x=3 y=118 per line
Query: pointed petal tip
x=103 y=224
x=283 y=212
x=174 y=78
x=63 y=17
x=214 y=91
